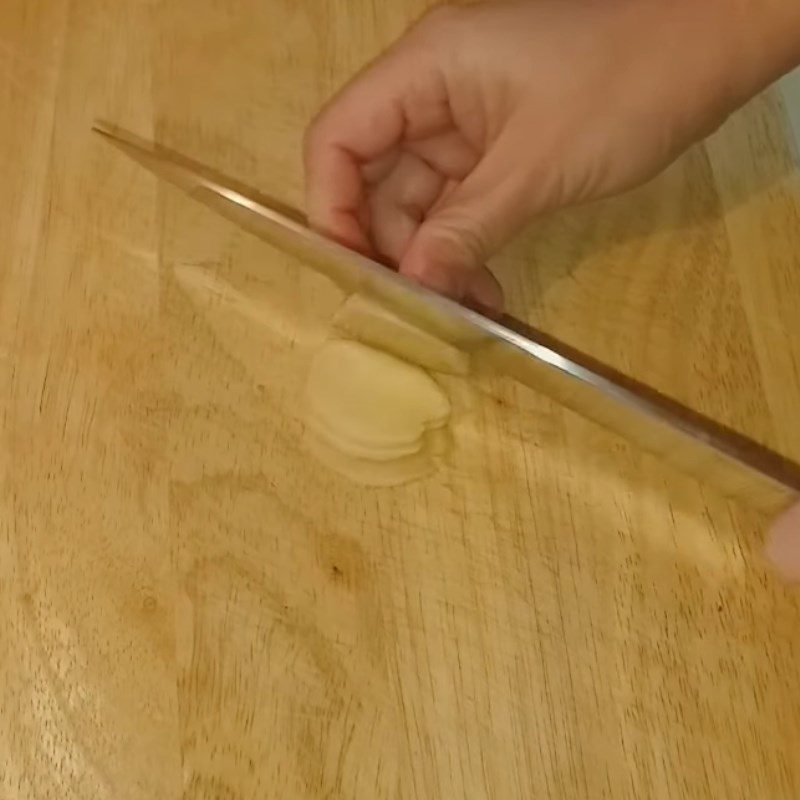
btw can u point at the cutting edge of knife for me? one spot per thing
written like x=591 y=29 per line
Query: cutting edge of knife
x=533 y=343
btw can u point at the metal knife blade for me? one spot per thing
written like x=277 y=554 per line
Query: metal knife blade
x=716 y=455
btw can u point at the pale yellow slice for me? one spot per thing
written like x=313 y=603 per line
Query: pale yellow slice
x=367 y=397
x=369 y=322
x=373 y=417
x=368 y=472
x=333 y=437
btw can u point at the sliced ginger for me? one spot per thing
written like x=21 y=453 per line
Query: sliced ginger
x=371 y=323
x=373 y=413
x=380 y=473
x=373 y=417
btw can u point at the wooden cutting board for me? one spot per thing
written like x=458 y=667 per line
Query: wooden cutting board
x=192 y=607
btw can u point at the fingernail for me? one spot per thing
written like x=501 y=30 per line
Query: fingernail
x=445 y=281
x=438 y=263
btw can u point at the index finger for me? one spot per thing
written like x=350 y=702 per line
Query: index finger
x=397 y=96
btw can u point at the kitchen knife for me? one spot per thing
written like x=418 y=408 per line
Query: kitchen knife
x=736 y=465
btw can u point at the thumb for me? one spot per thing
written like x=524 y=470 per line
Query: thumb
x=449 y=257
x=449 y=251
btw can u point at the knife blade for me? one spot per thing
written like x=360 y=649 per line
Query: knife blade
x=736 y=465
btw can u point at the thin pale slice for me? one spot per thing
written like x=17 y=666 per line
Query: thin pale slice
x=360 y=449
x=370 y=398
x=367 y=472
x=369 y=322
x=435 y=441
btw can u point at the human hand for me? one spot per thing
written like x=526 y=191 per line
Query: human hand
x=482 y=117
x=783 y=548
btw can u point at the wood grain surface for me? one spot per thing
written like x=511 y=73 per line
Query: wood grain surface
x=192 y=607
